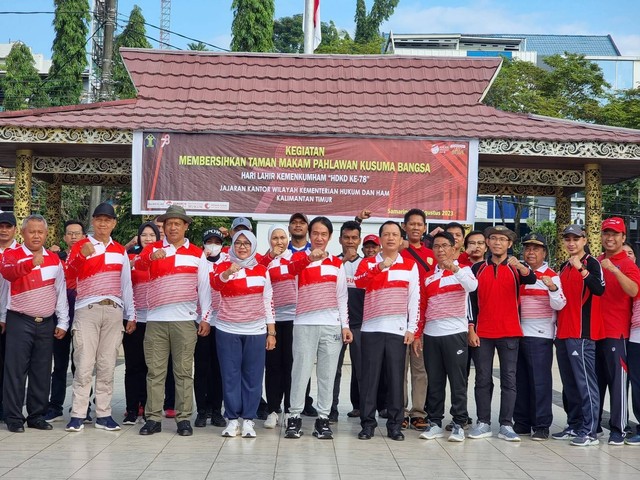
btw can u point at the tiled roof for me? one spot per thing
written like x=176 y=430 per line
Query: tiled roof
x=315 y=94
x=545 y=45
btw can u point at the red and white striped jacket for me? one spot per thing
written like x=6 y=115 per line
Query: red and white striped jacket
x=285 y=289
x=444 y=302
x=246 y=305
x=4 y=285
x=538 y=305
x=322 y=291
x=177 y=282
x=104 y=275
x=392 y=295
x=140 y=283
x=36 y=291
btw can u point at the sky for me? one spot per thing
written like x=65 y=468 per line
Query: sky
x=210 y=20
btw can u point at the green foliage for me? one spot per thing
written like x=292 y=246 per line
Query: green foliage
x=288 y=36
x=368 y=24
x=69 y=58
x=133 y=36
x=574 y=88
x=197 y=46
x=622 y=109
x=252 y=26
x=22 y=85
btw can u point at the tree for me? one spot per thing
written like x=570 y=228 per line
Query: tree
x=288 y=36
x=69 y=57
x=622 y=109
x=368 y=24
x=134 y=35
x=22 y=85
x=197 y=46
x=252 y=26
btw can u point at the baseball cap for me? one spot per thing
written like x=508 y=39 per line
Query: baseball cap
x=500 y=230
x=371 y=238
x=614 y=223
x=104 y=208
x=212 y=233
x=299 y=215
x=574 y=229
x=8 y=217
x=535 y=239
x=241 y=222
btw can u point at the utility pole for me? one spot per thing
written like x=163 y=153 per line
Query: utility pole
x=308 y=26
x=106 y=85
x=165 y=22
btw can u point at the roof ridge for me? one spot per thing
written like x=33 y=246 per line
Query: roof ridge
x=67 y=108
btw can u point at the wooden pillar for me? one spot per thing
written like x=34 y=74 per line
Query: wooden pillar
x=563 y=218
x=22 y=187
x=54 y=210
x=593 y=206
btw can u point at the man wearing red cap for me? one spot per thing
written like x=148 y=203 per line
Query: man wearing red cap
x=622 y=278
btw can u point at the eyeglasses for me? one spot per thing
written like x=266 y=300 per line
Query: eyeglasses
x=242 y=245
x=74 y=234
x=478 y=244
x=499 y=239
x=441 y=246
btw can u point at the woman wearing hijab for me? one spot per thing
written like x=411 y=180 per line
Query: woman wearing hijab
x=135 y=368
x=244 y=325
x=280 y=360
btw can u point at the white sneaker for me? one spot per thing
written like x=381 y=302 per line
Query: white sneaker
x=507 y=433
x=233 y=429
x=431 y=432
x=457 y=433
x=480 y=430
x=272 y=420
x=247 y=429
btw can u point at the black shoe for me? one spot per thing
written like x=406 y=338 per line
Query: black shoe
x=184 y=428
x=396 y=435
x=150 y=427
x=294 y=428
x=39 y=424
x=383 y=413
x=353 y=413
x=309 y=411
x=217 y=420
x=16 y=427
x=521 y=429
x=540 y=434
x=322 y=430
x=201 y=420
x=209 y=412
x=333 y=416
x=130 y=419
x=365 y=434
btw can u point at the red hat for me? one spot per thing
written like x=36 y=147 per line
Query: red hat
x=614 y=223
x=371 y=238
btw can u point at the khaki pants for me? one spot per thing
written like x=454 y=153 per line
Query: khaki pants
x=97 y=334
x=160 y=340
x=418 y=384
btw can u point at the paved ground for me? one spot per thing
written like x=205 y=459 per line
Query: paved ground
x=95 y=454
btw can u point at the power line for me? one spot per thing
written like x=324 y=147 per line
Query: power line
x=124 y=16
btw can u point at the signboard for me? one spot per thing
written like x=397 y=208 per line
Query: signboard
x=270 y=177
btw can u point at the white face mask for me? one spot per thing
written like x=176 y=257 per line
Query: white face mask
x=212 y=249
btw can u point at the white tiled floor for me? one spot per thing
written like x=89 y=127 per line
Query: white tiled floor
x=95 y=454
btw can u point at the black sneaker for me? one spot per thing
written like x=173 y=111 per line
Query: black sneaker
x=201 y=420
x=309 y=411
x=217 y=420
x=322 y=430
x=294 y=428
x=333 y=416
x=540 y=434
x=521 y=429
x=130 y=419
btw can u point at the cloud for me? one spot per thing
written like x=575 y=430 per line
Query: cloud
x=628 y=44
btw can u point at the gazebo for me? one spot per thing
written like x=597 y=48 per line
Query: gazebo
x=358 y=96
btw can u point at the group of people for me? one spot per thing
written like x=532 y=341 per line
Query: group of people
x=415 y=310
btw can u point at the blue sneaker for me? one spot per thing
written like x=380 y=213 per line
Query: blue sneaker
x=634 y=440
x=53 y=416
x=107 y=423
x=616 y=438
x=74 y=425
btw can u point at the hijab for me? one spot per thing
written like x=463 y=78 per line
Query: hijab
x=287 y=253
x=250 y=261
